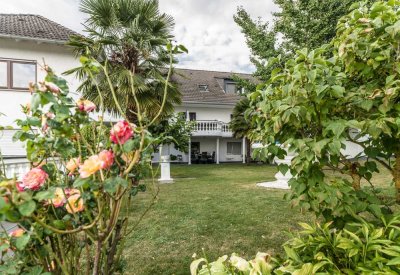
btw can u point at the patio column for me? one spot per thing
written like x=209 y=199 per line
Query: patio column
x=190 y=152
x=244 y=149
x=217 y=152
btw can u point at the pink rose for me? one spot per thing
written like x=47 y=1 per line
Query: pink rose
x=107 y=159
x=34 y=179
x=85 y=105
x=52 y=87
x=121 y=132
x=50 y=115
x=90 y=166
x=59 y=198
x=20 y=186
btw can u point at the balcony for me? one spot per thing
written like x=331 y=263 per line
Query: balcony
x=213 y=128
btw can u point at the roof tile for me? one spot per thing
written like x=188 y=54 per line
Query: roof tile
x=33 y=27
x=189 y=80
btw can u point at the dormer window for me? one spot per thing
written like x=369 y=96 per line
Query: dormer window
x=230 y=86
x=203 y=88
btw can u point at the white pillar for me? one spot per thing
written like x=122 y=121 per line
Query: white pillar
x=190 y=152
x=165 y=170
x=244 y=149
x=160 y=153
x=217 y=151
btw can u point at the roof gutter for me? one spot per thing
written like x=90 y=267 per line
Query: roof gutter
x=208 y=103
x=39 y=40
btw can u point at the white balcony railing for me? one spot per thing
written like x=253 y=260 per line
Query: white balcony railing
x=16 y=168
x=212 y=128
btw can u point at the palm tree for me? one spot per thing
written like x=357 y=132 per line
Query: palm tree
x=239 y=125
x=129 y=37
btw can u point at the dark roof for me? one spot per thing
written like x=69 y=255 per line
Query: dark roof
x=188 y=82
x=35 y=27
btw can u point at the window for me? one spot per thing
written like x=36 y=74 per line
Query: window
x=22 y=74
x=3 y=74
x=192 y=116
x=203 y=88
x=230 y=86
x=16 y=74
x=233 y=148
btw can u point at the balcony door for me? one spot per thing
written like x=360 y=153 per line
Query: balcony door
x=192 y=116
x=195 y=147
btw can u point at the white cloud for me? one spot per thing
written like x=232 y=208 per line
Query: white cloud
x=205 y=27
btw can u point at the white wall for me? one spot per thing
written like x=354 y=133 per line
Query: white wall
x=221 y=113
x=59 y=58
x=207 y=144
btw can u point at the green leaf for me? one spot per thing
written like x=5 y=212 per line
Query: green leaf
x=111 y=184
x=35 y=102
x=129 y=146
x=59 y=224
x=44 y=195
x=395 y=261
x=22 y=241
x=4 y=206
x=338 y=91
x=27 y=208
x=375 y=209
x=81 y=182
x=283 y=168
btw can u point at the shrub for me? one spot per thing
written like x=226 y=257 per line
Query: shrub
x=360 y=248
x=72 y=206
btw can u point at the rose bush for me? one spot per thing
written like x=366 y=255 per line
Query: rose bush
x=72 y=206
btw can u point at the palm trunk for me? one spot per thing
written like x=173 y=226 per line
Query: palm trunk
x=248 y=149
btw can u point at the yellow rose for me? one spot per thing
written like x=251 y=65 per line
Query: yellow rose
x=90 y=166
x=75 y=204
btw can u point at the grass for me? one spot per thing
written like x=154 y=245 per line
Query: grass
x=218 y=208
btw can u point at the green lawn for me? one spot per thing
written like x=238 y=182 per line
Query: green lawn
x=215 y=207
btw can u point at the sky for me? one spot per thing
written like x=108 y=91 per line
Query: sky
x=205 y=27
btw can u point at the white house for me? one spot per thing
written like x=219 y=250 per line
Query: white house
x=208 y=97
x=26 y=40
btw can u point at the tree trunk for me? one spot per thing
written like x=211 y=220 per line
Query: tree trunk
x=396 y=176
x=112 y=249
x=248 y=149
x=356 y=181
x=97 y=258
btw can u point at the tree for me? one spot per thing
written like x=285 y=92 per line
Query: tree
x=302 y=23
x=299 y=24
x=239 y=125
x=174 y=130
x=321 y=97
x=128 y=37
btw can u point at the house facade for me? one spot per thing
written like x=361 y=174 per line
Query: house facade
x=27 y=41
x=208 y=98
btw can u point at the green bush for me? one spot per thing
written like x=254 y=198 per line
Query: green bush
x=360 y=248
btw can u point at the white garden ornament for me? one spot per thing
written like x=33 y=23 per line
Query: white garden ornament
x=165 y=170
x=282 y=180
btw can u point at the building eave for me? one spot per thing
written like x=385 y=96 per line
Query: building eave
x=208 y=104
x=34 y=39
